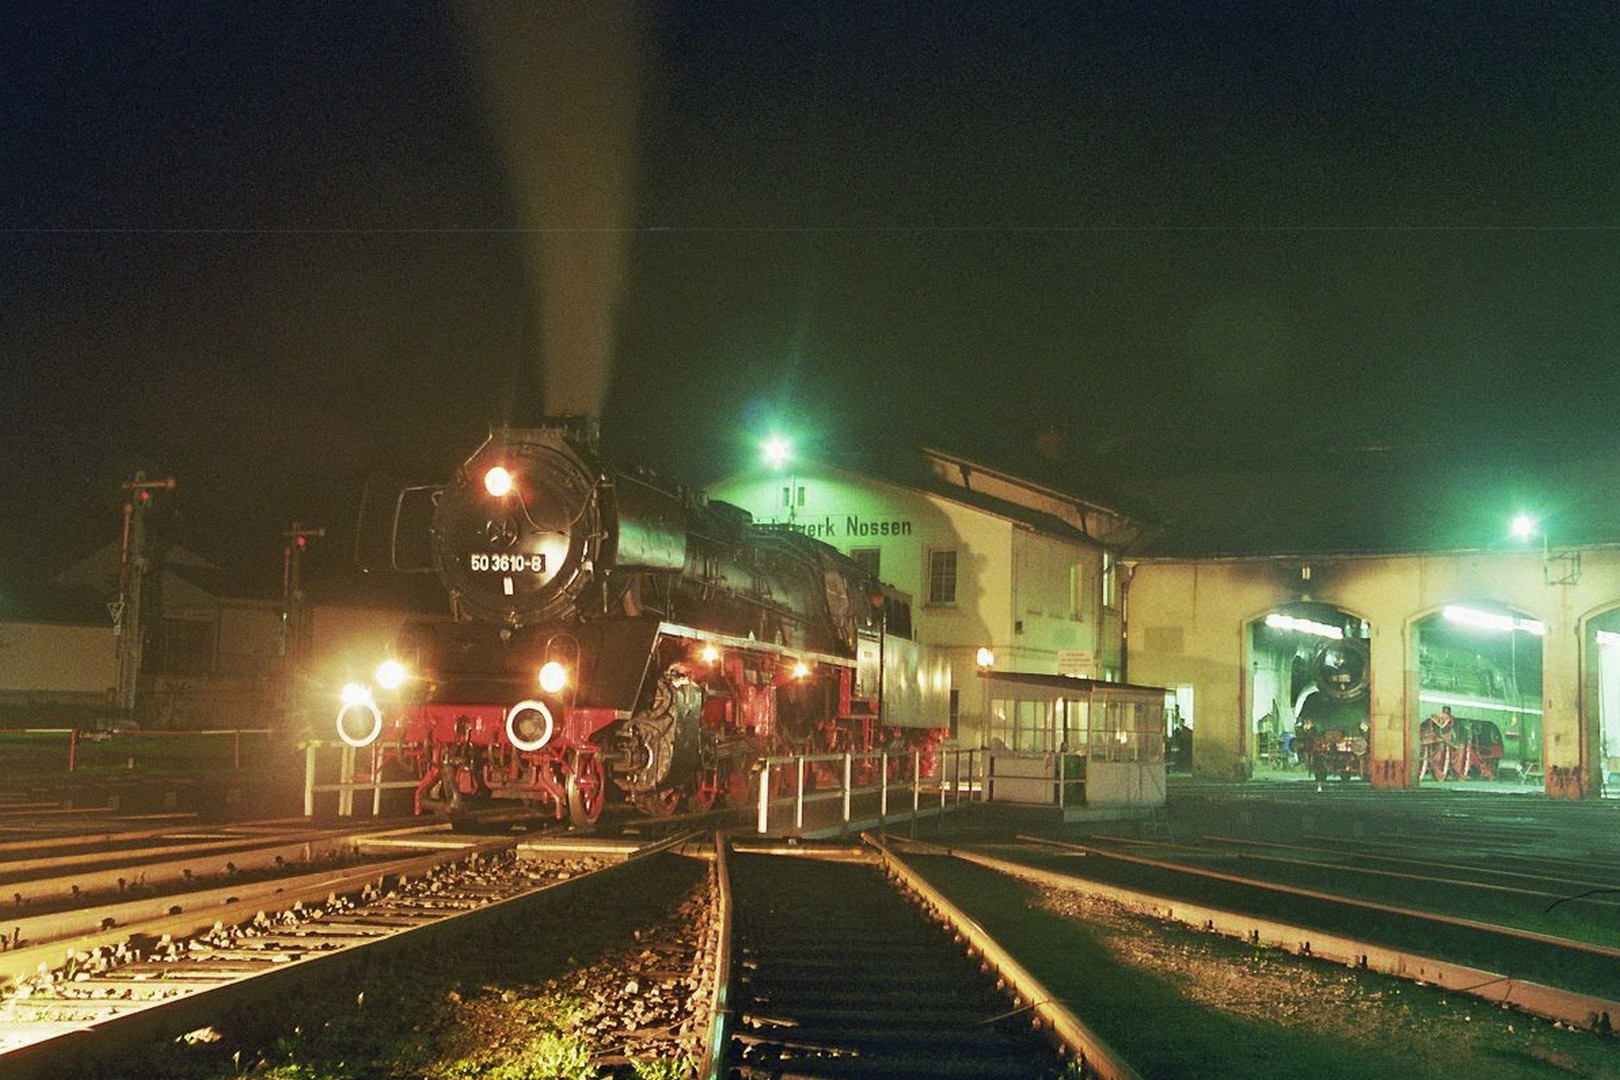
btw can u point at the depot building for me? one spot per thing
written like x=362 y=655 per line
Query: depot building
x=1392 y=608
x=1003 y=573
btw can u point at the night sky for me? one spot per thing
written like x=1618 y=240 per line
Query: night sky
x=268 y=249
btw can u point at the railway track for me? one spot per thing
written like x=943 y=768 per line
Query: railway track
x=221 y=958
x=840 y=975
x=1460 y=941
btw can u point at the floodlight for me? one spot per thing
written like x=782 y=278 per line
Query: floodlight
x=776 y=451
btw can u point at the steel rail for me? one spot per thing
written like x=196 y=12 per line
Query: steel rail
x=1560 y=865
x=193 y=842
x=722 y=1017
x=81 y=1049
x=186 y=914
x=1085 y=1045
x=1413 y=876
x=1575 y=1009
x=105 y=835
x=1335 y=898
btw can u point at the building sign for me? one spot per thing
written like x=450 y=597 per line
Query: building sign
x=1076 y=662
x=848 y=527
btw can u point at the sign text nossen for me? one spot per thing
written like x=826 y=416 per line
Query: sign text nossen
x=827 y=527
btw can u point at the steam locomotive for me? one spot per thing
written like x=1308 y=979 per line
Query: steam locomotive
x=611 y=639
x=1332 y=711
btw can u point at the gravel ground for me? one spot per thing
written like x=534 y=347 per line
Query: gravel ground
x=611 y=995
x=1433 y=1030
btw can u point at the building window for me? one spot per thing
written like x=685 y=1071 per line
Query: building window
x=870 y=560
x=942 y=577
x=1110 y=583
x=1077 y=592
x=956 y=709
x=793 y=496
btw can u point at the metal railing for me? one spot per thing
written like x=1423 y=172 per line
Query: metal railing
x=864 y=789
x=348 y=784
x=36 y=752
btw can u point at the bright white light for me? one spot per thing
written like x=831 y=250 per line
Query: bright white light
x=1279 y=621
x=775 y=451
x=1490 y=620
x=355 y=694
x=986 y=658
x=391 y=674
x=498 y=481
x=710 y=654
x=553 y=677
x=1521 y=528
x=801 y=669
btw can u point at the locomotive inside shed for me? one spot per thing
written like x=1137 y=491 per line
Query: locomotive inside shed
x=1477 y=716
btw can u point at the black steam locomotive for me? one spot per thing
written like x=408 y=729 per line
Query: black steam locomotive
x=609 y=638
x=1332 y=729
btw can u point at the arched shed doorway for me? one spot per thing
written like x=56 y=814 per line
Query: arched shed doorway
x=1308 y=692
x=1479 y=694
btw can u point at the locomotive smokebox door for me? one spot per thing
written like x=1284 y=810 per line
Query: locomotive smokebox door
x=515 y=532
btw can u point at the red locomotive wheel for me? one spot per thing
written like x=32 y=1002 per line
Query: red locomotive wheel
x=707 y=789
x=586 y=790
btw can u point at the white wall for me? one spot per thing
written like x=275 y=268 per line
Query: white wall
x=48 y=657
x=1007 y=572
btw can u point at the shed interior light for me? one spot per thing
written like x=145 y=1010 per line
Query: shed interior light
x=1490 y=620
x=1278 y=621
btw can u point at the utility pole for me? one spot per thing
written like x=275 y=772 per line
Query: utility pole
x=127 y=616
x=294 y=614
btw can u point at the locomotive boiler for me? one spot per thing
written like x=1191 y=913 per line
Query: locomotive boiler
x=611 y=639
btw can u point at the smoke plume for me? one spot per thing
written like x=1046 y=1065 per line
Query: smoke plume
x=561 y=80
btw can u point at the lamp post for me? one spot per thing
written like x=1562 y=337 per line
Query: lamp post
x=777 y=454
x=1557 y=567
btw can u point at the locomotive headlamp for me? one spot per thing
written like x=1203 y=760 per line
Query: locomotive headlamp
x=355 y=694
x=391 y=674
x=359 y=721
x=553 y=677
x=710 y=654
x=800 y=669
x=529 y=725
x=498 y=482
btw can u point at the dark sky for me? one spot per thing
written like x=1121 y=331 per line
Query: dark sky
x=267 y=249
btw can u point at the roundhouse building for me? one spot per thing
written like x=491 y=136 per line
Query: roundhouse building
x=1444 y=630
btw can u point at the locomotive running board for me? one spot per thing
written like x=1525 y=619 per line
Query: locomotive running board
x=728 y=641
